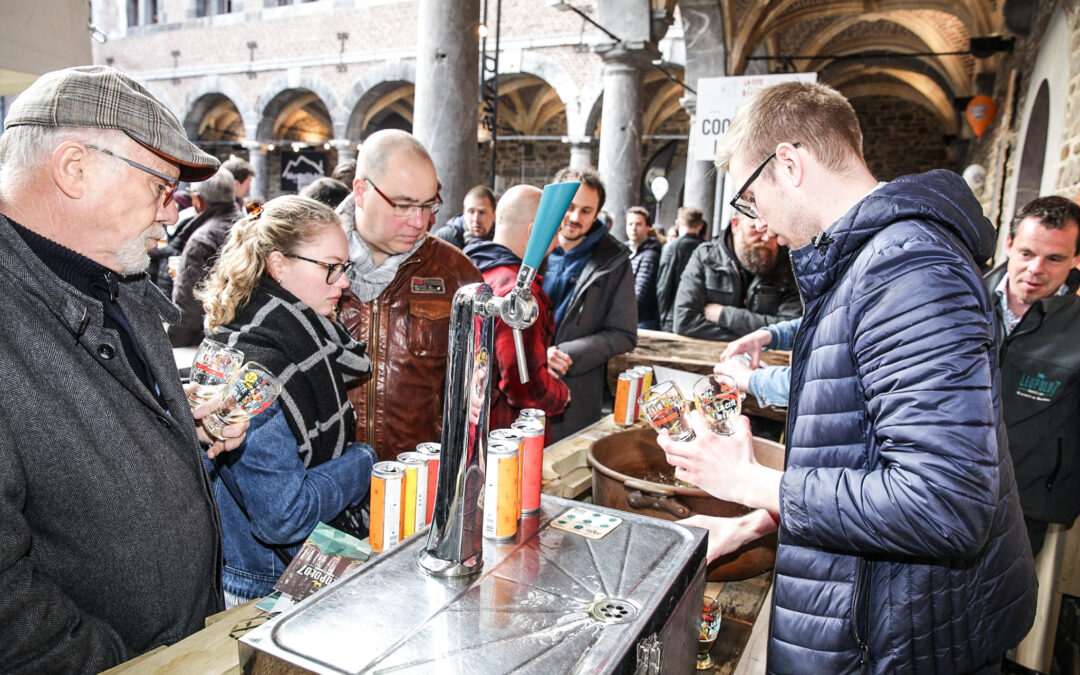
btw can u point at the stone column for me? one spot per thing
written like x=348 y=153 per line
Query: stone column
x=706 y=56
x=620 y=127
x=257 y=157
x=580 y=152
x=700 y=182
x=445 y=111
x=346 y=150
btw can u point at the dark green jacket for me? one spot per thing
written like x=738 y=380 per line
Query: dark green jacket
x=1040 y=374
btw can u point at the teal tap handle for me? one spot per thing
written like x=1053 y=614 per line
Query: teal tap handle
x=553 y=205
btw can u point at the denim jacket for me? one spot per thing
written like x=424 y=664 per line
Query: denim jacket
x=771 y=385
x=268 y=499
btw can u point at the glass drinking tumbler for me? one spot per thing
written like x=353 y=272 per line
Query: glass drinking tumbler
x=214 y=363
x=665 y=408
x=251 y=390
x=717 y=397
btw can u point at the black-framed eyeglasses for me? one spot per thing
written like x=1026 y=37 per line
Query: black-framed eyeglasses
x=747 y=208
x=166 y=190
x=333 y=270
x=405 y=210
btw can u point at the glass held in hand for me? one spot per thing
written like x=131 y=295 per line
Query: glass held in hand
x=251 y=390
x=665 y=408
x=719 y=401
x=709 y=630
x=214 y=363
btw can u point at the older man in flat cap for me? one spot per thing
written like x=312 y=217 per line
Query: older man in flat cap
x=109 y=537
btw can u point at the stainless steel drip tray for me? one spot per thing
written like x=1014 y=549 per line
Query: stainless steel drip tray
x=548 y=602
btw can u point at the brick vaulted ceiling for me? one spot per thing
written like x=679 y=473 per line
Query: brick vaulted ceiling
x=867 y=47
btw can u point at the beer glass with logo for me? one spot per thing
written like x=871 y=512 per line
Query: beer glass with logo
x=718 y=399
x=250 y=390
x=709 y=630
x=665 y=408
x=210 y=370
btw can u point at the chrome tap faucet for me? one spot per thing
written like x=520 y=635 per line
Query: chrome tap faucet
x=455 y=540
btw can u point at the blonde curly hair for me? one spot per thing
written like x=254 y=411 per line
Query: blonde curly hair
x=283 y=224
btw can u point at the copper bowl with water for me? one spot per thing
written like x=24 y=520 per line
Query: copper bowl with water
x=630 y=473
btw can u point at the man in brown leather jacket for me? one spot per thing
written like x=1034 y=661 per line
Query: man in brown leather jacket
x=401 y=285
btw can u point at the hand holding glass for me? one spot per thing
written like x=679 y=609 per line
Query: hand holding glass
x=665 y=408
x=717 y=397
x=251 y=389
x=214 y=363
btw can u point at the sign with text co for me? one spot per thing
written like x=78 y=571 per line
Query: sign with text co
x=717 y=100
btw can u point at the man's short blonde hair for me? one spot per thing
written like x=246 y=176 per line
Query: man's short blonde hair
x=812 y=114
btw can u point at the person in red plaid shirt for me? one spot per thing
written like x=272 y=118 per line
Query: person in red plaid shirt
x=499 y=260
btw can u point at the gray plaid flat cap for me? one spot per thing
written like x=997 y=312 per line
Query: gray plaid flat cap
x=104 y=98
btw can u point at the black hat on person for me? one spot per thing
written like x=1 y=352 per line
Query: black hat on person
x=104 y=98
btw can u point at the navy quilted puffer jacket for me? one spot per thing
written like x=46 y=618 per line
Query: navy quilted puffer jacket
x=902 y=546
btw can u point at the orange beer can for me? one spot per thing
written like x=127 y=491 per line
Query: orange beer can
x=517 y=438
x=387 y=495
x=626 y=395
x=501 y=490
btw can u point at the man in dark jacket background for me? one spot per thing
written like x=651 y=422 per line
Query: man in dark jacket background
x=1038 y=321
x=645 y=261
x=215 y=201
x=109 y=537
x=212 y=200
x=735 y=285
x=901 y=539
x=674 y=256
x=476 y=220
x=591 y=284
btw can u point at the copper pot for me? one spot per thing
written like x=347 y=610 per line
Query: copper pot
x=630 y=473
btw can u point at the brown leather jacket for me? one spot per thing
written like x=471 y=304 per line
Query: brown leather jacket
x=400 y=403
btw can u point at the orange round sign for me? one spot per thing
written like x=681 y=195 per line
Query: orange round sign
x=980 y=112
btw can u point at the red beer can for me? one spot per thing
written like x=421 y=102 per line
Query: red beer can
x=532 y=462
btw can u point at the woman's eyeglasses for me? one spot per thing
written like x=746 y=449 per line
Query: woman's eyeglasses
x=333 y=270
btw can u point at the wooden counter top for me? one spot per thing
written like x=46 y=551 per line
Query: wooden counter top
x=657 y=348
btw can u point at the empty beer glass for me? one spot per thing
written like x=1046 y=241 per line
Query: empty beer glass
x=251 y=389
x=717 y=398
x=665 y=408
x=210 y=370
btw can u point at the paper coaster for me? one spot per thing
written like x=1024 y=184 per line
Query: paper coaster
x=586 y=522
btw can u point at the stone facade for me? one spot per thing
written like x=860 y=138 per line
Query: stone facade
x=1034 y=61
x=890 y=123
x=334 y=71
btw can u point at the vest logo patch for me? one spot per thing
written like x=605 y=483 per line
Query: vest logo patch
x=428 y=285
x=1037 y=388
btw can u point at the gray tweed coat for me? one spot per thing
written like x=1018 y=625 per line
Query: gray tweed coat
x=109 y=535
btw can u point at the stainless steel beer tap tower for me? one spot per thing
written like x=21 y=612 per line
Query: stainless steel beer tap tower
x=548 y=601
x=455 y=542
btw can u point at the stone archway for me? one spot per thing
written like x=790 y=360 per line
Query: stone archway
x=1042 y=125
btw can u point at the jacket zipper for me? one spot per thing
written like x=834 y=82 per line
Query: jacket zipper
x=1057 y=467
x=861 y=613
x=373 y=322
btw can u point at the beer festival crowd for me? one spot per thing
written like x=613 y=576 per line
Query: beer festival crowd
x=932 y=435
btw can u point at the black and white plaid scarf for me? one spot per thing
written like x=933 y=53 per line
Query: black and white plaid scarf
x=312 y=356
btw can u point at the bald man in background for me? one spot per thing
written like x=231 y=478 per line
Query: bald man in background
x=499 y=261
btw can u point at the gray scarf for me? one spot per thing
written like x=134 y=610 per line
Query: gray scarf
x=367 y=281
